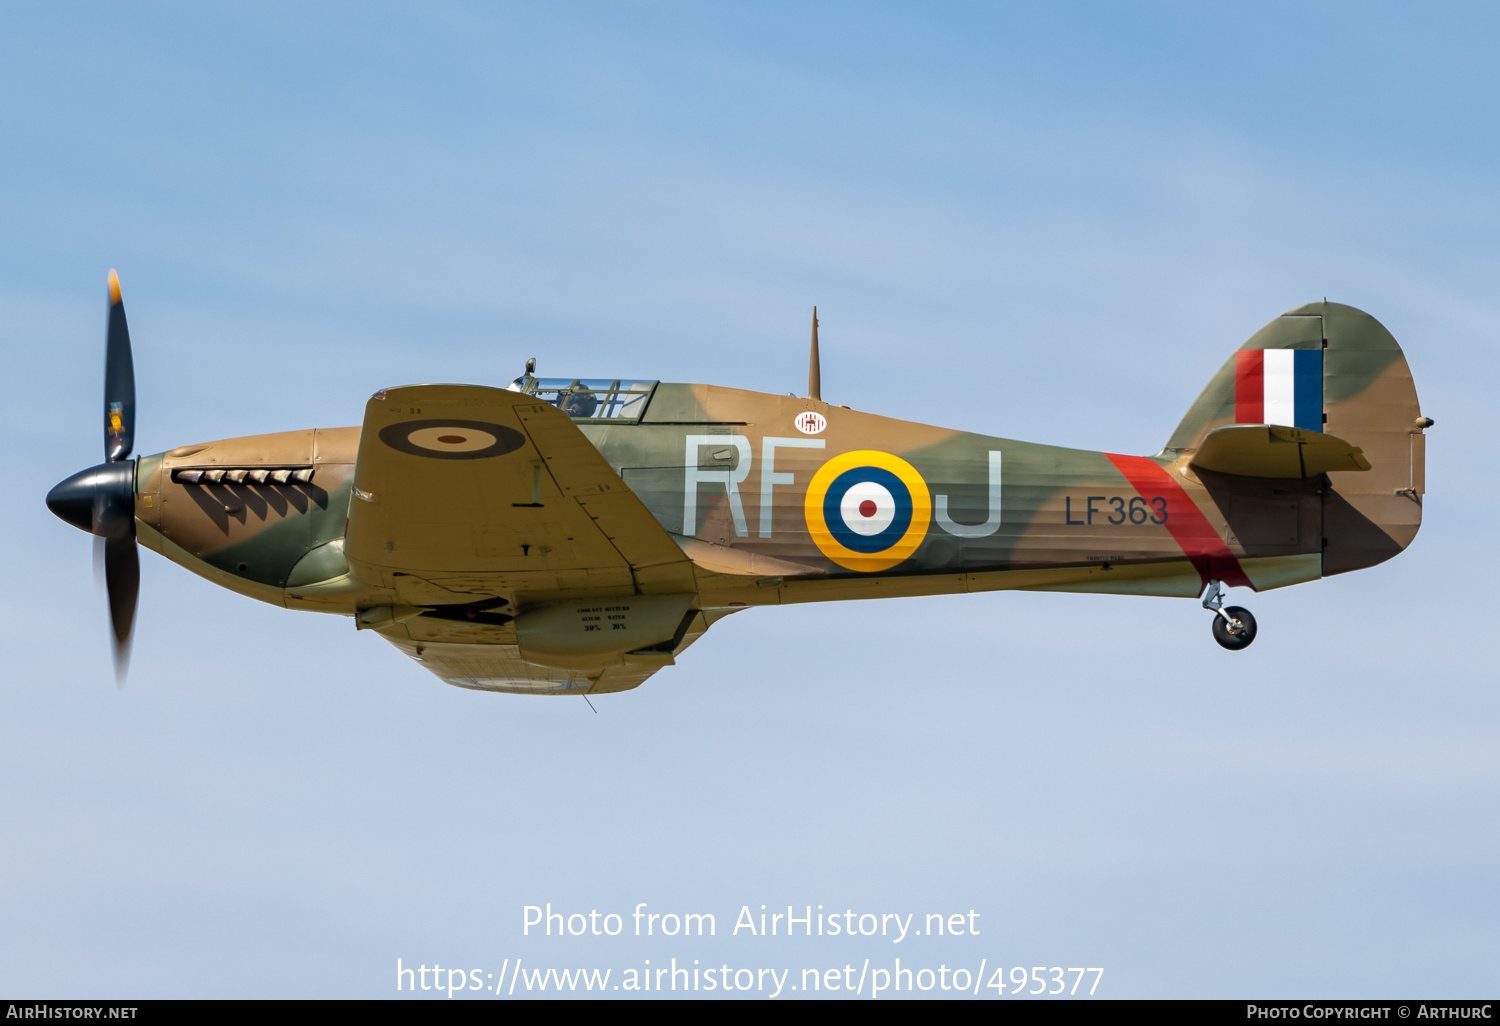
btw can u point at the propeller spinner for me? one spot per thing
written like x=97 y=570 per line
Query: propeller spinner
x=101 y=500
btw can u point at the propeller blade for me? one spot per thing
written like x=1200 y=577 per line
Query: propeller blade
x=119 y=380
x=122 y=578
x=101 y=500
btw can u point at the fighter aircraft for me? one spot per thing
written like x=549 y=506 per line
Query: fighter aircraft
x=572 y=536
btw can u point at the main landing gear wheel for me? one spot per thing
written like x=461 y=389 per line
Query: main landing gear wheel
x=1234 y=627
x=1237 y=631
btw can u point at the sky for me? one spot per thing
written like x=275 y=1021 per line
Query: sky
x=1046 y=222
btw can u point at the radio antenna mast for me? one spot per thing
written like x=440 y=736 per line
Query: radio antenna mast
x=814 y=370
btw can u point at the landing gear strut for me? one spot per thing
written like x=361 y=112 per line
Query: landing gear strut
x=1234 y=627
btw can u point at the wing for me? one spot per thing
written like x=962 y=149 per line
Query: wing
x=497 y=666
x=472 y=503
x=463 y=491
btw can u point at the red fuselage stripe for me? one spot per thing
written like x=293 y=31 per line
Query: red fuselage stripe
x=1186 y=523
x=1250 y=386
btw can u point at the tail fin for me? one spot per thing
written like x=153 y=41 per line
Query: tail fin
x=1336 y=377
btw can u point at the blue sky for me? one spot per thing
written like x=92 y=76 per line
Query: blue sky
x=1074 y=211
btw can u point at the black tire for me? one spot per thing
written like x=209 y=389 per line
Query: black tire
x=1230 y=639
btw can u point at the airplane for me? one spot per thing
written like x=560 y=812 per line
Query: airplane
x=571 y=536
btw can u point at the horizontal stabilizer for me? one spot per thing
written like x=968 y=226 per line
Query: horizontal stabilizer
x=1265 y=450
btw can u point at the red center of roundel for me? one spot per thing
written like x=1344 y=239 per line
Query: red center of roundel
x=867 y=508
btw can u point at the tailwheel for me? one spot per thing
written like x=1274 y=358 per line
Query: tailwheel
x=1234 y=628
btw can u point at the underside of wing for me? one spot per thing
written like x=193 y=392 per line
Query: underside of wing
x=495 y=665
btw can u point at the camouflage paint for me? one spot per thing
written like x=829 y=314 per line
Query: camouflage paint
x=726 y=473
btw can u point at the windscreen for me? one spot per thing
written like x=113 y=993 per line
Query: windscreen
x=592 y=399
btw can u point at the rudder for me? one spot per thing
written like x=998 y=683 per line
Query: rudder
x=1330 y=368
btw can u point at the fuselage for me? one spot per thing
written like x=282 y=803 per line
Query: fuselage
x=781 y=499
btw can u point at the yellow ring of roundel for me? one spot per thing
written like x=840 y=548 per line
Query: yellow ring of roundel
x=867 y=562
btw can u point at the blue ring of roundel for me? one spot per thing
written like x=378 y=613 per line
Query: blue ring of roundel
x=833 y=514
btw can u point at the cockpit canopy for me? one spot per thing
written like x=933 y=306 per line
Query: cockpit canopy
x=590 y=399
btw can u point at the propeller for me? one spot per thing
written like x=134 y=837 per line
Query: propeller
x=101 y=500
